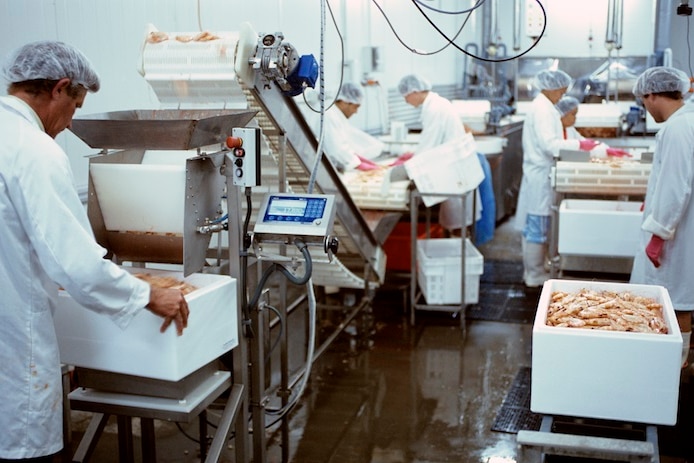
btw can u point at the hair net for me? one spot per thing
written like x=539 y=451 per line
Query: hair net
x=413 y=83
x=552 y=80
x=661 y=79
x=350 y=93
x=567 y=104
x=50 y=60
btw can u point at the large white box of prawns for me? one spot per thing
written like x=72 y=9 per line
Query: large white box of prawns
x=91 y=340
x=630 y=376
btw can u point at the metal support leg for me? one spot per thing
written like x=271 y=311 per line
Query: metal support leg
x=225 y=423
x=91 y=437
x=148 y=440
x=202 y=432
x=126 y=451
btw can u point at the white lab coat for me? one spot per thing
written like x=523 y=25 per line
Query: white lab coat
x=543 y=138
x=669 y=211
x=441 y=124
x=343 y=142
x=46 y=241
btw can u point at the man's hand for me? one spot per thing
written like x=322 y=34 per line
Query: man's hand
x=171 y=305
x=654 y=249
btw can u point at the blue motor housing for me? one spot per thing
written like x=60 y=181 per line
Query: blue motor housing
x=304 y=75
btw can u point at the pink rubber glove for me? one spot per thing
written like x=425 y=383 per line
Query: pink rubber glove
x=654 y=249
x=619 y=153
x=587 y=144
x=401 y=159
x=367 y=164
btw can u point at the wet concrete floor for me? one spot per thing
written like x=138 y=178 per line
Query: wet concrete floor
x=423 y=393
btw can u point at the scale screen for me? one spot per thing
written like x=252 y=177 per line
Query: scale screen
x=296 y=214
x=294 y=209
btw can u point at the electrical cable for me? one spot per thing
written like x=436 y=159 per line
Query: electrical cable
x=309 y=358
x=469 y=10
x=415 y=50
x=451 y=41
x=342 y=60
x=321 y=74
x=279 y=336
x=183 y=431
x=542 y=33
x=245 y=308
x=288 y=274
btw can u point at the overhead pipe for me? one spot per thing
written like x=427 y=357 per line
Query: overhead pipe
x=516 y=24
x=615 y=20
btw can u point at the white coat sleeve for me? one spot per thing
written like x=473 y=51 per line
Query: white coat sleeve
x=548 y=133
x=433 y=130
x=59 y=230
x=336 y=144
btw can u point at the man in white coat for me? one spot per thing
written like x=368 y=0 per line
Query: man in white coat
x=543 y=137
x=668 y=216
x=46 y=242
x=347 y=146
x=440 y=124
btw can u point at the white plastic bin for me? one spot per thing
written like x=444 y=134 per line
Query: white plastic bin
x=439 y=270
x=91 y=340
x=599 y=228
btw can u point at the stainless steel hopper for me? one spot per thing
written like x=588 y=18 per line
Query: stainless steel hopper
x=159 y=128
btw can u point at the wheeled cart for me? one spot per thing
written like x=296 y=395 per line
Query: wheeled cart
x=444 y=272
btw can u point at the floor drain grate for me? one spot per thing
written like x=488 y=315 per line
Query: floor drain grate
x=514 y=414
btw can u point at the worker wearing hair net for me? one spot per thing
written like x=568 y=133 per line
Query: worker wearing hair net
x=440 y=124
x=568 y=109
x=346 y=146
x=667 y=248
x=46 y=242
x=543 y=137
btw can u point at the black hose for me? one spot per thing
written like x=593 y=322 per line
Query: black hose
x=287 y=273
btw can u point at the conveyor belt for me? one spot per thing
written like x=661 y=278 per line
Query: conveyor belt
x=293 y=147
x=616 y=178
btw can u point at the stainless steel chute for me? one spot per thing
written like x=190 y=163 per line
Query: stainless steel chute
x=158 y=128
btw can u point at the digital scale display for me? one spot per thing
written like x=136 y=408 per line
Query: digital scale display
x=295 y=210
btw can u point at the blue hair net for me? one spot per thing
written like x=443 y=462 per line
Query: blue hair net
x=50 y=60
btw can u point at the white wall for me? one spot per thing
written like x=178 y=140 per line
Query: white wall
x=577 y=28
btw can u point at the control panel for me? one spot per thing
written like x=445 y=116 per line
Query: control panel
x=245 y=147
x=299 y=215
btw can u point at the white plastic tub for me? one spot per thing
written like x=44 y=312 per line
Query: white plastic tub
x=439 y=267
x=90 y=340
x=599 y=228
x=623 y=376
